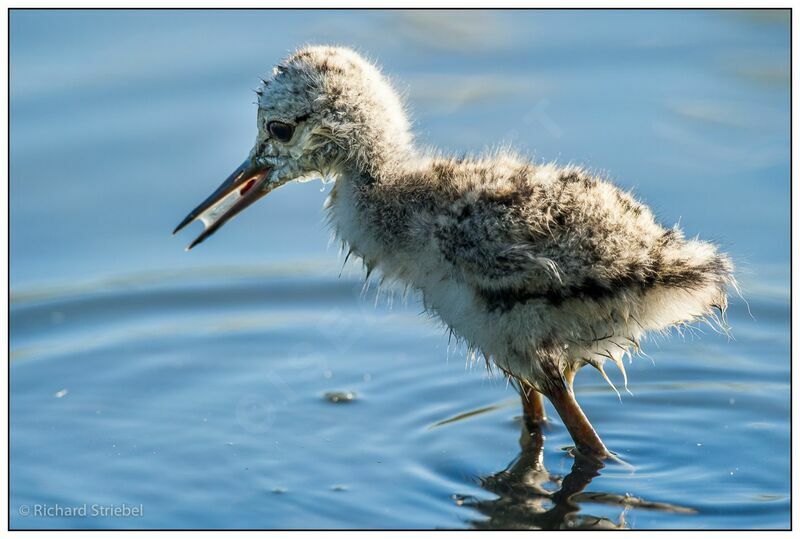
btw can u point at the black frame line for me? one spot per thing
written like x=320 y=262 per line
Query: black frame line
x=398 y=8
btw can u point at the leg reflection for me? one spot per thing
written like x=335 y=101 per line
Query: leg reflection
x=529 y=497
x=532 y=498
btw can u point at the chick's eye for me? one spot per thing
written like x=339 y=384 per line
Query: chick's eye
x=281 y=131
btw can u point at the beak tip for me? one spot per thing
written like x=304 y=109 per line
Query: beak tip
x=183 y=224
x=196 y=242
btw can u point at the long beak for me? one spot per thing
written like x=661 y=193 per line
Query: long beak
x=247 y=184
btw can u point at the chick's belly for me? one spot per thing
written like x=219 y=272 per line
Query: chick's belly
x=494 y=333
x=454 y=304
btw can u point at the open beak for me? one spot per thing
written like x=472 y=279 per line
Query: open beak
x=247 y=184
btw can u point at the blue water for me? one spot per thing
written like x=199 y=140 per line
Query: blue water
x=193 y=385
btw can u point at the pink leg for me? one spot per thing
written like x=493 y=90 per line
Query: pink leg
x=583 y=434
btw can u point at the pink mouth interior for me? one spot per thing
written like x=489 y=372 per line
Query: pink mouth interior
x=249 y=185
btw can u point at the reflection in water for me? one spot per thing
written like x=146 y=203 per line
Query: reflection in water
x=526 y=502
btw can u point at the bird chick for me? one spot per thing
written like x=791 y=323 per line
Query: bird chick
x=541 y=269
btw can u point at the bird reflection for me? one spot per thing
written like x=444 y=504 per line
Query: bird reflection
x=530 y=497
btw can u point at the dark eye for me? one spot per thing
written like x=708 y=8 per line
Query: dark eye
x=281 y=131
